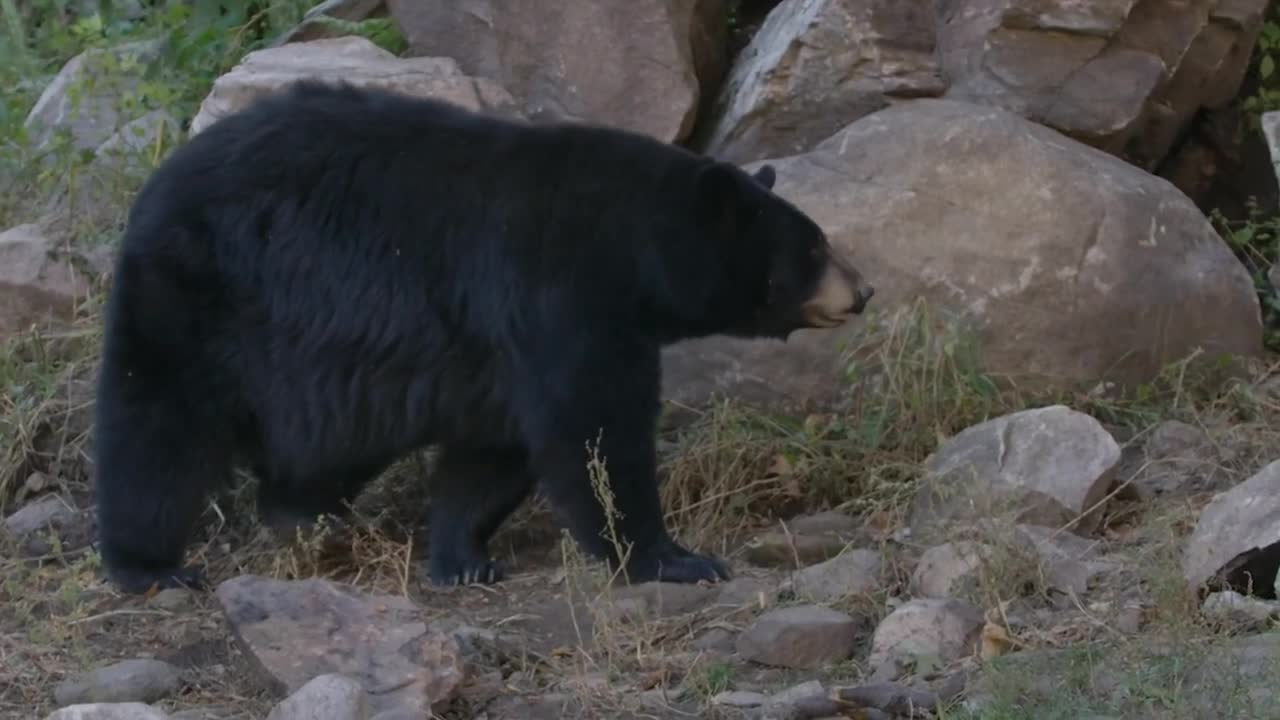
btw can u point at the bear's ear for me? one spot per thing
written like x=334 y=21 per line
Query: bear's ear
x=766 y=176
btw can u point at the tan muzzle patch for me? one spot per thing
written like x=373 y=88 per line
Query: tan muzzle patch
x=833 y=301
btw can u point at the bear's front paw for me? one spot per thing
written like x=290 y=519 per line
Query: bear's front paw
x=139 y=581
x=674 y=564
x=448 y=569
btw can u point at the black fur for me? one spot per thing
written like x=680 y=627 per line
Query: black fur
x=335 y=277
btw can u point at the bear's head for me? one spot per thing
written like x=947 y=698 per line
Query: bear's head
x=783 y=272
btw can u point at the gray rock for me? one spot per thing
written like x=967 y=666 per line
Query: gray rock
x=905 y=194
x=817 y=65
x=717 y=640
x=396 y=715
x=855 y=572
x=803 y=636
x=1271 y=130
x=744 y=590
x=1045 y=466
x=332 y=697
x=739 y=699
x=779 y=548
x=948 y=570
x=84 y=98
x=108 y=711
x=171 y=599
x=1238 y=534
x=890 y=697
x=140 y=680
x=641 y=65
x=1231 y=607
x=1235 y=674
x=104 y=186
x=1178 y=459
x=927 y=627
x=1067 y=562
x=800 y=702
x=48 y=512
x=356 y=61
x=303 y=629
x=37 y=280
x=313 y=27
x=826 y=522
x=656 y=600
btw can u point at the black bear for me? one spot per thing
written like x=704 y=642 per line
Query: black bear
x=334 y=277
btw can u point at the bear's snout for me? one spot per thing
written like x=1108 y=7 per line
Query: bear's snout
x=840 y=293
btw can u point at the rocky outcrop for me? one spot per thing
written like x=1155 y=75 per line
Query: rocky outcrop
x=642 y=65
x=1064 y=264
x=817 y=65
x=1126 y=76
x=353 y=60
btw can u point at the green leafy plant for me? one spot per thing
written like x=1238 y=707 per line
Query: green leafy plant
x=1266 y=58
x=1256 y=242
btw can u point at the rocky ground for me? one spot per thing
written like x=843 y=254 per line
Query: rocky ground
x=951 y=511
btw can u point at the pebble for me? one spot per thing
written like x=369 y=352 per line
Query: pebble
x=140 y=680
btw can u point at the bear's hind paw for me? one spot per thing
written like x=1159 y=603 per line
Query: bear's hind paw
x=677 y=565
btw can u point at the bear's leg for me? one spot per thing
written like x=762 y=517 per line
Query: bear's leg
x=618 y=410
x=473 y=491
x=160 y=450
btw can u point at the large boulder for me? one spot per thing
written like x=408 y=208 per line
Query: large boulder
x=815 y=66
x=1125 y=76
x=354 y=60
x=641 y=65
x=1066 y=264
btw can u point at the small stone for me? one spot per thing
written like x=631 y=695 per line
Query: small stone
x=803 y=637
x=739 y=698
x=855 y=572
x=1237 y=536
x=130 y=681
x=781 y=549
x=790 y=695
x=948 y=570
x=800 y=702
x=48 y=512
x=396 y=715
x=890 y=697
x=935 y=628
x=829 y=521
x=1232 y=607
x=171 y=599
x=657 y=600
x=332 y=696
x=108 y=711
x=715 y=640
x=1177 y=458
x=1067 y=561
x=1047 y=466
